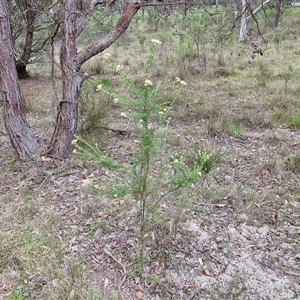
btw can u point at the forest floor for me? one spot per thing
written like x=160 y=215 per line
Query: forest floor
x=237 y=237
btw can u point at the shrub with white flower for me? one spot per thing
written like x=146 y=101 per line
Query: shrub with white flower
x=148 y=110
x=148 y=82
x=156 y=42
x=107 y=55
x=119 y=68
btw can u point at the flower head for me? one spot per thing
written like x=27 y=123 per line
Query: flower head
x=183 y=82
x=116 y=100
x=156 y=42
x=107 y=55
x=119 y=68
x=148 y=82
x=123 y=114
x=99 y=87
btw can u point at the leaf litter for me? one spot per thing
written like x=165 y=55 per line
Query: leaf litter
x=238 y=240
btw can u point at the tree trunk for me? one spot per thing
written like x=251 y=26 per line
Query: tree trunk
x=278 y=12
x=22 y=61
x=67 y=116
x=21 y=70
x=244 y=21
x=18 y=130
x=29 y=14
x=71 y=61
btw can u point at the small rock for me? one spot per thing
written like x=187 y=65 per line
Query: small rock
x=263 y=231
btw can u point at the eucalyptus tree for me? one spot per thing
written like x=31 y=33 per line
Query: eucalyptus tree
x=75 y=15
x=248 y=13
x=32 y=23
x=18 y=130
x=72 y=25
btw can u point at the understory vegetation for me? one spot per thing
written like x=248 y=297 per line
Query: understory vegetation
x=187 y=186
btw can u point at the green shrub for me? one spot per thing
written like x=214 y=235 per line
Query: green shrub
x=155 y=176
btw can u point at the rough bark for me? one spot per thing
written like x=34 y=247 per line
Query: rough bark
x=67 y=116
x=71 y=61
x=18 y=130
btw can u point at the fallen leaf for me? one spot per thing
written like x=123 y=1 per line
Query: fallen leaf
x=274 y=231
x=139 y=294
x=235 y=253
x=206 y=272
x=46 y=158
x=215 y=258
x=75 y=211
x=58 y=182
x=106 y=283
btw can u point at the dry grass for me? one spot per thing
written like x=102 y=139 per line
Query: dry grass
x=54 y=232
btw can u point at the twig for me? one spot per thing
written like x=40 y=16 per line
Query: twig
x=124 y=269
x=122 y=132
x=197 y=290
x=291 y=273
x=2 y=188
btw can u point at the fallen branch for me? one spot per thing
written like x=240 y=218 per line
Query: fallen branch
x=124 y=270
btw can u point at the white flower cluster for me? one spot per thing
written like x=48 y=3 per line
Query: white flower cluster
x=156 y=42
x=182 y=82
x=107 y=55
x=148 y=82
x=119 y=68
